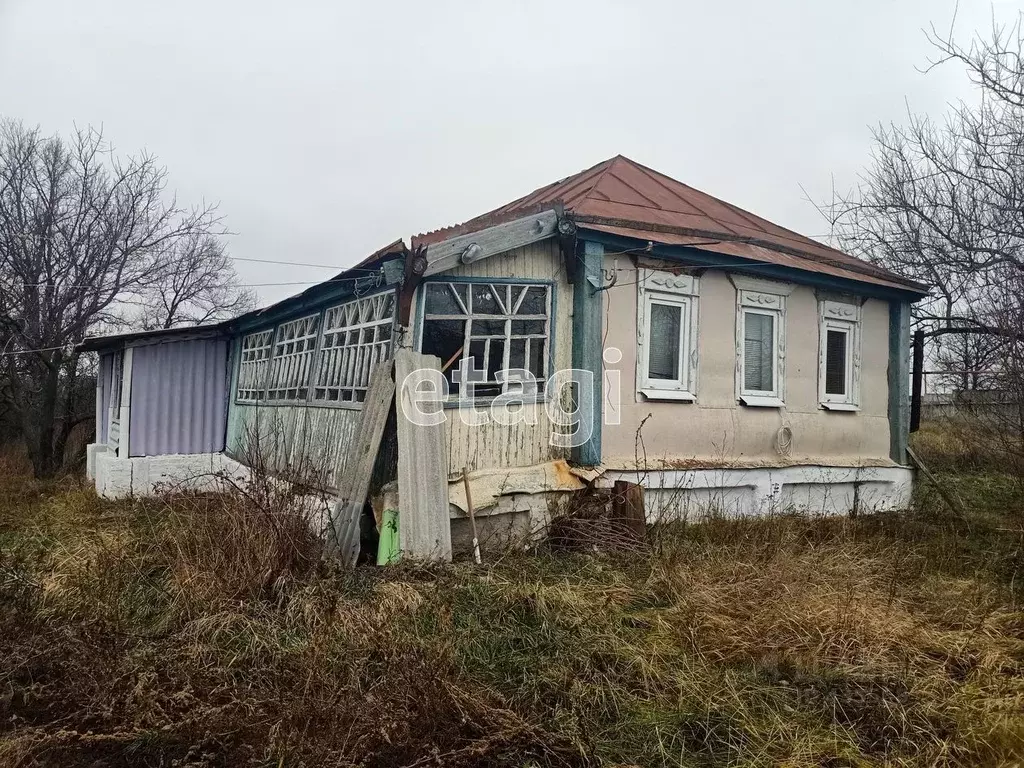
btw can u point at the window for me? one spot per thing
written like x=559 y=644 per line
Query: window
x=252 y=369
x=503 y=327
x=839 y=356
x=357 y=336
x=759 y=358
x=761 y=341
x=116 y=381
x=292 y=360
x=667 y=319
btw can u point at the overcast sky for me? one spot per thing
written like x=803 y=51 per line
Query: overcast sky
x=327 y=129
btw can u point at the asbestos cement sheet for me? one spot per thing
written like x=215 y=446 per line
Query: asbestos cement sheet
x=424 y=530
x=487 y=485
x=354 y=484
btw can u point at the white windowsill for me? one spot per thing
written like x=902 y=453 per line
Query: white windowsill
x=668 y=394
x=840 y=407
x=761 y=401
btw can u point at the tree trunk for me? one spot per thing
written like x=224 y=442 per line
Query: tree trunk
x=40 y=426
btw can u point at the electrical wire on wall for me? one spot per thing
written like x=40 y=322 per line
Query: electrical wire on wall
x=784 y=440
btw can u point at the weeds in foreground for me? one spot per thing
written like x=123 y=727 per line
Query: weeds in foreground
x=201 y=631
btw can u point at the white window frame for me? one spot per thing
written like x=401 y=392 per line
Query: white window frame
x=343 y=366
x=762 y=297
x=510 y=385
x=660 y=287
x=291 y=367
x=254 y=359
x=844 y=317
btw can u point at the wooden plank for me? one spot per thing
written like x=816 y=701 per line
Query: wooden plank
x=354 y=484
x=493 y=240
x=424 y=527
x=899 y=380
x=125 y=403
x=628 y=509
x=916 y=381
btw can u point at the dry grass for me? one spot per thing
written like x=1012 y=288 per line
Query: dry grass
x=206 y=631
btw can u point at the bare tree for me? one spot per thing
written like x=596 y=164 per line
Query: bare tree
x=944 y=202
x=85 y=234
x=197 y=285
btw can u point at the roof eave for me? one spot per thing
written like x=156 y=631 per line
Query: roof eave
x=113 y=341
x=892 y=287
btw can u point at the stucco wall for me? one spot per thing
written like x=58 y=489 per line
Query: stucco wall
x=717 y=428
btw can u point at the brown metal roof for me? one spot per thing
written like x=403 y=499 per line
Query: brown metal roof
x=620 y=196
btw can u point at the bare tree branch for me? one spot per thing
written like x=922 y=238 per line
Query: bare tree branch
x=85 y=235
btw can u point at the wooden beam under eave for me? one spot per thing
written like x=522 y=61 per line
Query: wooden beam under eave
x=587 y=303
x=491 y=241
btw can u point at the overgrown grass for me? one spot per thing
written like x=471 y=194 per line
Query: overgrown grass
x=201 y=631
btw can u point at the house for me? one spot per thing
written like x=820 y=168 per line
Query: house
x=720 y=361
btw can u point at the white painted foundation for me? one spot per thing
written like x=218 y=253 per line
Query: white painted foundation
x=688 y=494
x=692 y=494
x=117 y=478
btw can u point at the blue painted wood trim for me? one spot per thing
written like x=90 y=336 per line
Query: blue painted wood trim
x=700 y=258
x=586 y=346
x=899 y=380
x=231 y=436
x=302 y=307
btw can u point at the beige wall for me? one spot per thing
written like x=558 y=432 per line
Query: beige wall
x=718 y=429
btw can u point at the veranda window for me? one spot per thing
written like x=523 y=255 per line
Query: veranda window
x=252 y=369
x=357 y=336
x=292 y=361
x=504 y=327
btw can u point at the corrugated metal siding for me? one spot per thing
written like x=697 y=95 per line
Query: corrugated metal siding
x=179 y=397
x=103 y=383
x=522 y=445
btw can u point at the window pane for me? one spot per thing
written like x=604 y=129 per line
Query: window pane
x=535 y=302
x=663 y=345
x=758 y=351
x=536 y=363
x=484 y=301
x=441 y=300
x=444 y=338
x=517 y=354
x=488 y=328
x=835 y=362
x=528 y=328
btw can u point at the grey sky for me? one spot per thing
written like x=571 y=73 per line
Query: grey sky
x=326 y=130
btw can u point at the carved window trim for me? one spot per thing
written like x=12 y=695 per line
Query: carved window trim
x=657 y=287
x=759 y=297
x=843 y=317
